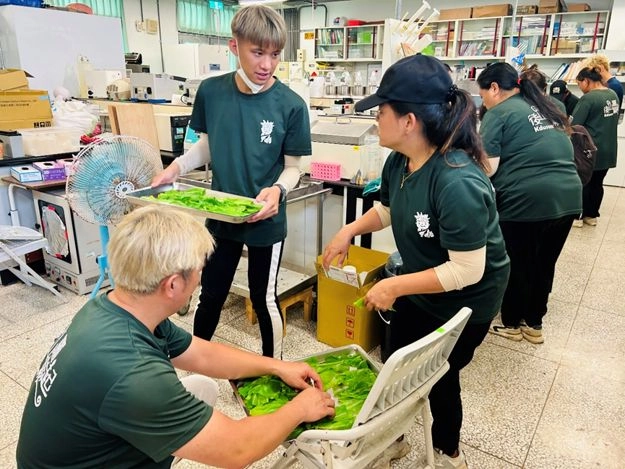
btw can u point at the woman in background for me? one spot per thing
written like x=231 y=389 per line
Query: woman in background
x=597 y=110
x=538 y=192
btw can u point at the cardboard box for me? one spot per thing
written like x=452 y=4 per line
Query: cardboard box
x=13 y=79
x=50 y=170
x=455 y=13
x=565 y=46
x=526 y=9
x=24 y=109
x=578 y=7
x=551 y=6
x=486 y=11
x=26 y=173
x=67 y=164
x=339 y=321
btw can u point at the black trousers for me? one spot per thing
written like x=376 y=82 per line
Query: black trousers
x=217 y=275
x=409 y=324
x=592 y=194
x=533 y=248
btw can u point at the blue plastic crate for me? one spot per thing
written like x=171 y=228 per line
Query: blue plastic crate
x=23 y=3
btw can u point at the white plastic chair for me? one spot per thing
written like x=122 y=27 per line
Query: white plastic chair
x=15 y=243
x=398 y=394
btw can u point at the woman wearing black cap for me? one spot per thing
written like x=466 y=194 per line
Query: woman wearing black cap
x=436 y=196
x=538 y=192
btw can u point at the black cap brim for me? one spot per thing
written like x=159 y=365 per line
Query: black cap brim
x=369 y=102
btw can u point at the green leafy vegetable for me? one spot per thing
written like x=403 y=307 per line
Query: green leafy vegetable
x=196 y=198
x=346 y=374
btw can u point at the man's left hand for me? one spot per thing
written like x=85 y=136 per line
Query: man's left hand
x=299 y=375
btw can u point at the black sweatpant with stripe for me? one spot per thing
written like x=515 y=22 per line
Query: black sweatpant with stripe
x=217 y=276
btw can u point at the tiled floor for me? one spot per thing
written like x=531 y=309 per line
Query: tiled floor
x=556 y=405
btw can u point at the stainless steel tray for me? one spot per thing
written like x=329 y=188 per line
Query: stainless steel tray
x=136 y=198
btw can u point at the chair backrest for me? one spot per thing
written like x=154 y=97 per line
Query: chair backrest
x=410 y=368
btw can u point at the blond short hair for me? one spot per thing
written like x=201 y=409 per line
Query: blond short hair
x=599 y=61
x=260 y=25
x=152 y=243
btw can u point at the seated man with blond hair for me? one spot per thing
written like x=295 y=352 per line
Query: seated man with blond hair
x=107 y=393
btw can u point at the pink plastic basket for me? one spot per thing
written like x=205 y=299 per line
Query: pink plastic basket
x=325 y=171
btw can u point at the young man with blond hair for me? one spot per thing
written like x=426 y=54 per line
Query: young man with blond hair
x=253 y=131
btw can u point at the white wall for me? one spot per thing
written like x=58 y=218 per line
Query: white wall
x=149 y=45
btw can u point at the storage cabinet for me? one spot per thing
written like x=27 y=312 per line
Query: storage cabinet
x=350 y=43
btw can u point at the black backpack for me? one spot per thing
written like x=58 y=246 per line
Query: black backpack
x=584 y=152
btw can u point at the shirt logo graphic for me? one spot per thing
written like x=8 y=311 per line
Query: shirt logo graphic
x=422 y=220
x=538 y=121
x=266 y=128
x=611 y=108
x=47 y=374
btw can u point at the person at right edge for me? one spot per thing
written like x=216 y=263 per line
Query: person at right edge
x=440 y=203
x=597 y=110
x=539 y=193
x=253 y=131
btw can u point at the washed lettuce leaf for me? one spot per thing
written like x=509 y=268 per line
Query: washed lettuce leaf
x=347 y=375
x=196 y=198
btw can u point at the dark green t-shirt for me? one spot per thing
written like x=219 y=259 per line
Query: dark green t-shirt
x=559 y=104
x=597 y=110
x=448 y=204
x=249 y=134
x=107 y=395
x=536 y=179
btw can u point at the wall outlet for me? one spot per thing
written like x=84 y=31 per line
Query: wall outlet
x=139 y=25
x=301 y=55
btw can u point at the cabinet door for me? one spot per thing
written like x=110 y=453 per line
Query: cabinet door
x=443 y=33
x=579 y=33
x=529 y=33
x=361 y=42
x=479 y=37
x=330 y=43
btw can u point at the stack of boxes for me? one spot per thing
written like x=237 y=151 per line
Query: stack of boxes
x=21 y=107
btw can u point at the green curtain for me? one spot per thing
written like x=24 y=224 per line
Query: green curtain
x=114 y=8
x=196 y=17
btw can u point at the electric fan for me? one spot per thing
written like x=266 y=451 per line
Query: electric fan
x=101 y=176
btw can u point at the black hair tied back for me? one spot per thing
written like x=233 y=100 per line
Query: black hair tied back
x=452 y=93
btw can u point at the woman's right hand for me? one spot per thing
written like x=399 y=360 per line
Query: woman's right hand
x=338 y=247
x=166 y=176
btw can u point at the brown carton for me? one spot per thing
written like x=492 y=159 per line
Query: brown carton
x=339 y=320
x=578 y=7
x=21 y=109
x=485 y=11
x=455 y=13
x=526 y=9
x=13 y=79
x=551 y=6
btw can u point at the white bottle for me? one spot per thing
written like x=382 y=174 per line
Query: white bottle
x=373 y=158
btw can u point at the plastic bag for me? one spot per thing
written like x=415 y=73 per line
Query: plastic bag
x=75 y=114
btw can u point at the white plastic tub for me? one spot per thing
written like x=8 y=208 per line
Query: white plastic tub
x=50 y=140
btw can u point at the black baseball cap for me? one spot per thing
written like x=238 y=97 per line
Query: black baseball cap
x=418 y=79
x=558 y=88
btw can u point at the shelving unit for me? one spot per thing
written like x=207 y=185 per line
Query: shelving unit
x=361 y=43
x=550 y=36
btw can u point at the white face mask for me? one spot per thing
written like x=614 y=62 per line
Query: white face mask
x=250 y=84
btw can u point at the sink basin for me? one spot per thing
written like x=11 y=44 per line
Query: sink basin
x=305 y=187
